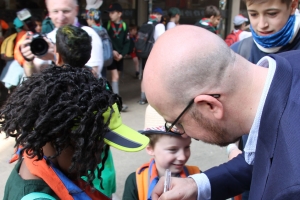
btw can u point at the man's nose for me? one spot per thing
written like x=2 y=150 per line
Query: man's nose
x=262 y=23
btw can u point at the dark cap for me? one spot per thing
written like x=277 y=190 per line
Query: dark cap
x=157 y=10
x=173 y=11
x=115 y=7
x=158 y=130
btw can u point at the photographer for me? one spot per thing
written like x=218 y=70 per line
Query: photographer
x=61 y=13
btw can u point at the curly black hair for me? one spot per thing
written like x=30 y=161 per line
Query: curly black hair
x=74 y=45
x=63 y=106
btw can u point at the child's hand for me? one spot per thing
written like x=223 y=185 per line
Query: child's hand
x=116 y=55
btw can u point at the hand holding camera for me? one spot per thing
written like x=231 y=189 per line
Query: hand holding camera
x=35 y=44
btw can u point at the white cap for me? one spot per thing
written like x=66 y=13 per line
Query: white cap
x=93 y=4
x=239 y=20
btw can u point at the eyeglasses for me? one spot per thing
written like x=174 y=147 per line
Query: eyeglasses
x=178 y=128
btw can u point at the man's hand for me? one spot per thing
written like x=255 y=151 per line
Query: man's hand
x=181 y=189
x=116 y=55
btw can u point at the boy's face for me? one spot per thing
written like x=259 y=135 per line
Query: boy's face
x=133 y=31
x=170 y=153
x=215 y=20
x=89 y=21
x=38 y=26
x=269 y=17
x=115 y=16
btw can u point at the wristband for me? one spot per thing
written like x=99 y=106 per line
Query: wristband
x=230 y=147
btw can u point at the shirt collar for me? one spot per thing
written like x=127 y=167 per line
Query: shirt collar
x=250 y=147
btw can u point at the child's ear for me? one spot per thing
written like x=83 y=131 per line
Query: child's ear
x=294 y=6
x=58 y=61
x=150 y=150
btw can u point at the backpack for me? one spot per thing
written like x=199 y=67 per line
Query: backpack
x=233 y=37
x=47 y=25
x=107 y=46
x=145 y=40
x=7 y=47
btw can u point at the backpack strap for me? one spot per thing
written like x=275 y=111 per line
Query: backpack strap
x=108 y=25
x=245 y=47
x=124 y=26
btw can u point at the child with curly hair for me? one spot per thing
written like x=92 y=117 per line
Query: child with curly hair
x=63 y=119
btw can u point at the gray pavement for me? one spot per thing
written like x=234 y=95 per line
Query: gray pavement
x=203 y=155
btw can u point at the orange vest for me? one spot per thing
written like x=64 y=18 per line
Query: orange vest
x=63 y=187
x=145 y=178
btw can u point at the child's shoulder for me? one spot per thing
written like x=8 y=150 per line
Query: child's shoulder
x=193 y=169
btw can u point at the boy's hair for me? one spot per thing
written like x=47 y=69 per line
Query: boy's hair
x=155 y=137
x=37 y=18
x=172 y=12
x=287 y=2
x=63 y=106
x=211 y=11
x=237 y=27
x=74 y=45
x=132 y=26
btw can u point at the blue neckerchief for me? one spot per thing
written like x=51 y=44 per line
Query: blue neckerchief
x=152 y=173
x=278 y=39
x=154 y=181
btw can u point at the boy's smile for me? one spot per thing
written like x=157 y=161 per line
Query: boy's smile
x=170 y=152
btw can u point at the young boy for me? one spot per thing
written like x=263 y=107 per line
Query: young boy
x=174 y=15
x=132 y=35
x=118 y=32
x=155 y=19
x=211 y=20
x=63 y=119
x=168 y=151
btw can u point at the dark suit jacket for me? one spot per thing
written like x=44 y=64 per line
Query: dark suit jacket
x=276 y=171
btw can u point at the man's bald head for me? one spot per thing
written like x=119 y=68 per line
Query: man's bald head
x=186 y=61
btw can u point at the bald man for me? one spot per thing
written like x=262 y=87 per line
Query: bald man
x=210 y=93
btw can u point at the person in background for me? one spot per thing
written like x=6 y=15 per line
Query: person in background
x=155 y=19
x=133 y=34
x=174 y=16
x=239 y=33
x=118 y=31
x=211 y=20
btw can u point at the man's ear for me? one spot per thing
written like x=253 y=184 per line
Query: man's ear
x=150 y=150
x=294 y=6
x=210 y=105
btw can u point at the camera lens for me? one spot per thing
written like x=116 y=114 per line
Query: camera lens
x=39 y=46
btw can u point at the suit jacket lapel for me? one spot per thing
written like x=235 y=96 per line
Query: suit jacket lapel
x=267 y=137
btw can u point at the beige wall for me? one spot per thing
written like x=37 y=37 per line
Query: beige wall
x=235 y=10
x=142 y=10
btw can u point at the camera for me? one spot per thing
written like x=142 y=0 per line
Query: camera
x=38 y=46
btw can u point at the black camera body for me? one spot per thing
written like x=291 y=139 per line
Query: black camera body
x=38 y=46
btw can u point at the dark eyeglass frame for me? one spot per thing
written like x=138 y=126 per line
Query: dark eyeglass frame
x=169 y=128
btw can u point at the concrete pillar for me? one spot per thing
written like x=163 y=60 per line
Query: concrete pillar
x=142 y=12
x=234 y=10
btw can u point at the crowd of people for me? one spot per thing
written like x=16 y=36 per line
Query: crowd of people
x=241 y=92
